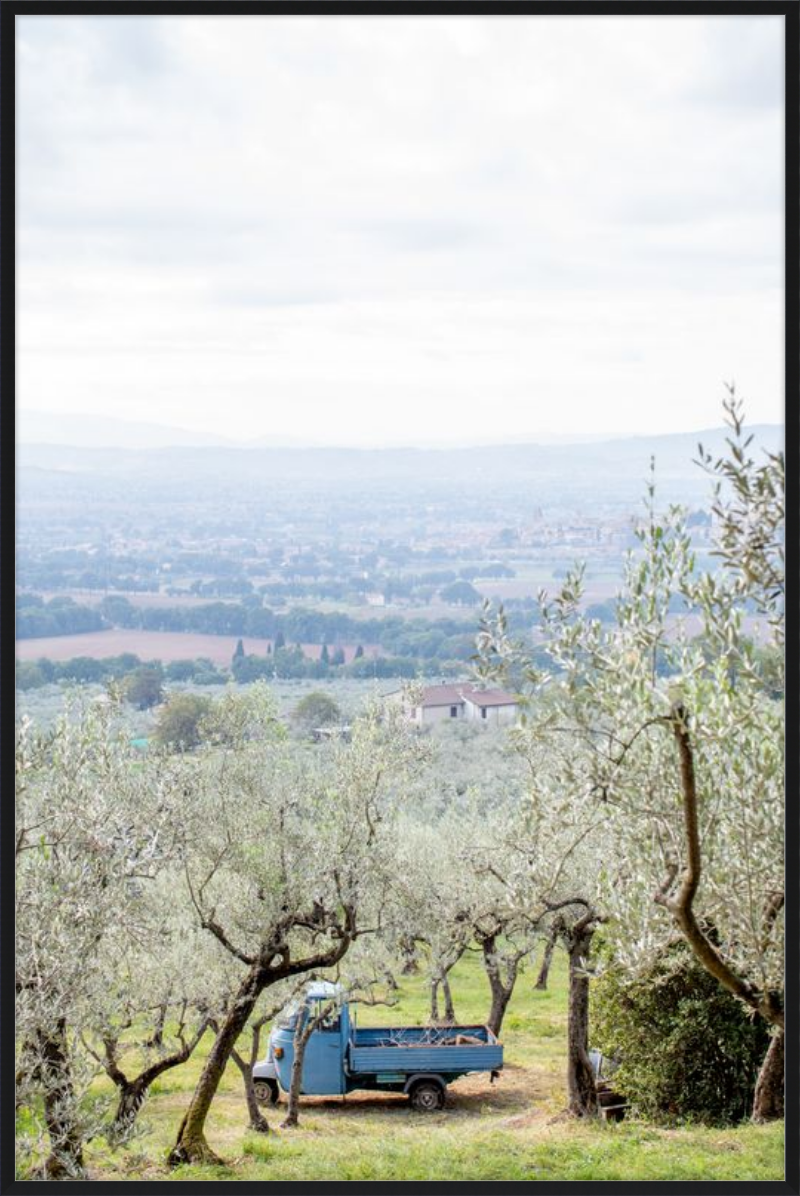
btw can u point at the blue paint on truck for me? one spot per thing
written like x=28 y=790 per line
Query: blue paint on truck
x=418 y=1060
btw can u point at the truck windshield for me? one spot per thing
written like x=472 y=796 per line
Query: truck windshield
x=287 y=1018
x=331 y=1021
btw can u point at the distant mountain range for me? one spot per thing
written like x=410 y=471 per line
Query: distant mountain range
x=46 y=430
x=581 y=474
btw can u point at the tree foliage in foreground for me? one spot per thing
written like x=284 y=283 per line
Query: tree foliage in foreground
x=684 y=770
x=92 y=833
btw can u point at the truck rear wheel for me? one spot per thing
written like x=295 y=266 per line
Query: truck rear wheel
x=267 y=1091
x=427 y=1096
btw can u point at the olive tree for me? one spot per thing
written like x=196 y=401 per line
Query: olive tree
x=162 y=991
x=93 y=829
x=542 y=857
x=285 y=862
x=432 y=908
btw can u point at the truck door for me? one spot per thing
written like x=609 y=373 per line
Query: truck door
x=323 y=1071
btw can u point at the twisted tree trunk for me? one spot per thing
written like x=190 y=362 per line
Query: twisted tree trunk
x=434 y=1013
x=767 y=1003
x=547 y=959
x=408 y=950
x=273 y=963
x=302 y=1033
x=258 y=1122
x=449 y=1009
x=581 y=1086
x=191 y=1145
x=768 y=1099
x=501 y=992
x=54 y=1070
x=133 y=1093
x=440 y=980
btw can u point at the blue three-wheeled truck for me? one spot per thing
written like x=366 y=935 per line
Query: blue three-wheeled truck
x=419 y=1061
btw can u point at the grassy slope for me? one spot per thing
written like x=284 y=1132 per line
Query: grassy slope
x=510 y=1130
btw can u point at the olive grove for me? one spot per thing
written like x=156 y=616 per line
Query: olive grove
x=170 y=903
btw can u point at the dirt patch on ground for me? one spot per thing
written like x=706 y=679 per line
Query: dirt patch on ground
x=514 y=1092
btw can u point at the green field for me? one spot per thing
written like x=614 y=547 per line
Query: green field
x=513 y=1130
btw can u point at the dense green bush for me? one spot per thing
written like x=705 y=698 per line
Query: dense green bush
x=178 y=722
x=143 y=687
x=687 y=1048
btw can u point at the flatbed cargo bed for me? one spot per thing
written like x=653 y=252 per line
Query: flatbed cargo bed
x=420 y=1048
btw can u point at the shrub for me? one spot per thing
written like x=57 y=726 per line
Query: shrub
x=316 y=710
x=687 y=1048
x=29 y=675
x=143 y=687
x=178 y=723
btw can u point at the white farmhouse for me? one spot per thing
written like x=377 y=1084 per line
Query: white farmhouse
x=441 y=703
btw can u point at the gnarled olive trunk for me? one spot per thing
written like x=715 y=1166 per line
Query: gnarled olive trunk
x=449 y=1008
x=258 y=1121
x=441 y=981
x=262 y=973
x=581 y=1086
x=768 y=1003
x=302 y=1033
x=191 y=1145
x=54 y=1070
x=131 y=1098
x=501 y=991
x=768 y=1099
x=547 y=959
x=133 y=1093
x=408 y=949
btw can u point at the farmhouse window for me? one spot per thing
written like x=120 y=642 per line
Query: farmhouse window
x=454 y=711
x=483 y=712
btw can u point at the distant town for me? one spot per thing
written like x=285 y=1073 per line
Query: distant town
x=220 y=563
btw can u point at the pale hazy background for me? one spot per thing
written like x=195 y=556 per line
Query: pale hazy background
x=368 y=231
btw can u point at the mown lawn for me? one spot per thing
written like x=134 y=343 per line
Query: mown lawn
x=511 y=1130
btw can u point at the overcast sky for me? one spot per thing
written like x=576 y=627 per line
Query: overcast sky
x=401 y=230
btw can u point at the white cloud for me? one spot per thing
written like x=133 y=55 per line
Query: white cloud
x=391 y=228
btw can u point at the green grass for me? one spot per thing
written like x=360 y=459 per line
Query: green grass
x=512 y=1130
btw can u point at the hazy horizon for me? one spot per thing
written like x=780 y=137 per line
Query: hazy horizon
x=83 y=430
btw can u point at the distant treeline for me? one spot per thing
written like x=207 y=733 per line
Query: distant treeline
x=445 y=637
x=32 y=674
x=37 y=619
x=394 y=634
x=283 y=664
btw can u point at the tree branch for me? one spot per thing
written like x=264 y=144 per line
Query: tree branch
x=681 y=906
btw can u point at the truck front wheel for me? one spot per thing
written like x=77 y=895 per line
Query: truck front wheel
x=267 y=1091
x=426 y=1096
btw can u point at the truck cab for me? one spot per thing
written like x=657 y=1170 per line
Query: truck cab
x=323 y=1062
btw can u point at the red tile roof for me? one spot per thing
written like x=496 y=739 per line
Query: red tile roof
x=444 y=695
x=490 y=697
x=454 y=695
